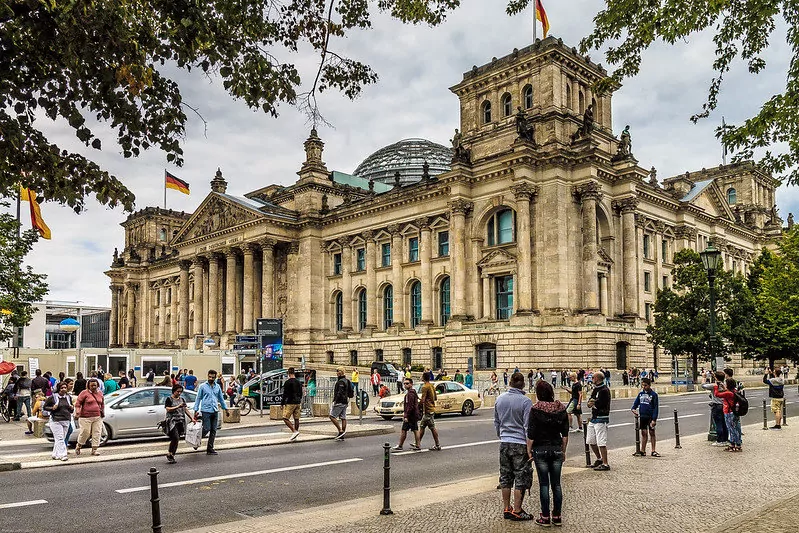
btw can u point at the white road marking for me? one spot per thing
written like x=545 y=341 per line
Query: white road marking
x=620 y=425
x=690 y=416
x=239 y=475
x=21 y=504
x=466 y=445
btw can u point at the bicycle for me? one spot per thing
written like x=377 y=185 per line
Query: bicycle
x=4 y=412
x=245 y=405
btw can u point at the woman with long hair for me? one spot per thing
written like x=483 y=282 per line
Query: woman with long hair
x=175 y=407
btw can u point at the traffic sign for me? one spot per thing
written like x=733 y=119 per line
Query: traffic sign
x=246 y=339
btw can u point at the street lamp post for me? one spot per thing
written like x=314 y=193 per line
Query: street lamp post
x=711 y=258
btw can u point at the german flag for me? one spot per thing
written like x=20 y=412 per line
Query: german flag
x=541 y=15
x=173 y=182
x=28 y=195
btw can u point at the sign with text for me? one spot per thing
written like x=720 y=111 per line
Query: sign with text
x=270 y=330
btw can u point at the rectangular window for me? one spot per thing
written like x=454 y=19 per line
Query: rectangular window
x=647 y=250
x=71 y=366
x=413 y=249
x=438 y=357
x=337 y=264
x=664 y=251
x=360 y=264
x=647 y=282
x=354 y=357
x=378 y=355
x=665 y=282
x=385 y=254
x=228 y=366
x=505 y=227
x=648 y=312
x=406 y=356
x=504 y=296
x=443 y=243
x=331 y=358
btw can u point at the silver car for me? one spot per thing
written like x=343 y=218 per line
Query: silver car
x=133 y=413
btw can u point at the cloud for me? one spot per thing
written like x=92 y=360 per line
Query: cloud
x=416 y=65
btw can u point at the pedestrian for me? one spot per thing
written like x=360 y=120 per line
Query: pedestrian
x=132 y=378
x=625 y=378
x=597 y=435
x=90 y=411
x=458 y=376
x=384 y=392
x=342 y=392
x=505 y=377
x=312 y=385
x=547 y=438
x=110 y=384
x=428 y=401
x=726 y=391
x=400 y=377
x=553 y=377
x=149 y=379
x=530 y=380
x=60 y=407
x=493 y=389
x=468 y=380
x=291 y=400
x=80 y=384
x=574 y=408
x=410 y=417
x=375 y=380
x=356 y=377
x=38 y=411
x=776 y=392
x=581 y=375
x=511 y=417
x=717 y=412
x=208 y=396
x=190 y=380
x=124 y=382
x=645 y=408
x=167 y=380
x=22 y=392
x=10 y=393
x=175 y=421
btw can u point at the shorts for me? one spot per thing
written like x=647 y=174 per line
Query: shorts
x=291 y=410
x=597 y=434
x=643 y=424
x=515 y=470
x=339 y=410
x=428 y=420
x=574 y=408
x=776 y=405
x=410 y=425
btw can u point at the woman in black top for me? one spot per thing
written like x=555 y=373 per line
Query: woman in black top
x=175 y=423
x=80 y=384
x=548 y=435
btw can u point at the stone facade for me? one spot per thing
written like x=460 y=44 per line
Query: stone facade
x=544 y=245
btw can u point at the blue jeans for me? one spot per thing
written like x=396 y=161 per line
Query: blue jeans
x=70 y=429
x=23 y=400
x=734 y=428
x=717 y=412
x=548 y=464
x=209 y=428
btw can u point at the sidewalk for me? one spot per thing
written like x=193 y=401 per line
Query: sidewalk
x=753 y=491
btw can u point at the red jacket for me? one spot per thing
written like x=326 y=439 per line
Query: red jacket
x=375 y=379
x=728 y=397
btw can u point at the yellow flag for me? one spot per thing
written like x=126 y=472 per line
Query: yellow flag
x=28 y=195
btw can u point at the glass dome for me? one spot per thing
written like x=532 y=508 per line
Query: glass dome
x=406 y=157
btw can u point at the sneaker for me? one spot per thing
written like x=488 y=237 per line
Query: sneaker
x=597 y=463
x=602 y=468
x=721 y=444
x=557 y=521
x=64 y=459
x=416 y=448
x=436 y=448
x=543 y=521
x=211 y=452
x=294 y=435
x=170 y=459
x=342 y=434
x=31 y=432
x=521 y=516
x=507 y=514
x=772 y=427
x=397 y=448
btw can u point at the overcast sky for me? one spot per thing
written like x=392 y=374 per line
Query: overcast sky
x=416 y=66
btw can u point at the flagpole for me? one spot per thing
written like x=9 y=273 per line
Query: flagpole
x=723 y=147
x=19 y=219
x=535 y=2
x=165 y=189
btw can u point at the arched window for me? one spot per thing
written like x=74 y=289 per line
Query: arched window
x=339 y=311
x=507 y=108
x=568 y=95
x=416 y=304
x=443 y=301
x=527 y=96
x=500 y=228
x=486 y=107
x=732 y=196
x=362 y=310
x=388 y=306
x=162 y=234
x=581 y=102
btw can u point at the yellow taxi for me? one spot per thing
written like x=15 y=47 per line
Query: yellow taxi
x=451 y=397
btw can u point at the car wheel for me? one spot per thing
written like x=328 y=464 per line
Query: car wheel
x=105 y=435
x=388 y=417
x=468 y=408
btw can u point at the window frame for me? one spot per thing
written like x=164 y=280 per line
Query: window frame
x=503 y=312
x=647 y=246
x=647 y=281
x=415 y=303
x=527 y=96
x=360 y=259
x=388 y=306
x=362 y=309
x=485 y=111
x=443 y=246
x=494 y=229
x=507 y=105
x=338 y=311
x=385 y=258
x=733 y=196
x=444 y=301
x=413 y=249
x=664 y=250
x=337 y=264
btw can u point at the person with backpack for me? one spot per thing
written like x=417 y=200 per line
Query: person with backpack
x=410 y=417
x=60 y=408
x=342 y=392
x=732 y=400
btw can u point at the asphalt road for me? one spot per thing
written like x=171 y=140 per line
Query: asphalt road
x=287 y=478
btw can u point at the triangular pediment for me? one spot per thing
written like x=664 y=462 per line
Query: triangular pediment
x=216 y=214
x=712 y=201
x=496 y=258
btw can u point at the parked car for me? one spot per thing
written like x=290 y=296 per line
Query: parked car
x=451 y=397
x=384 y=369
x=132 y=413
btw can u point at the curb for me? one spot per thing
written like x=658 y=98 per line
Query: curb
x=7 y=467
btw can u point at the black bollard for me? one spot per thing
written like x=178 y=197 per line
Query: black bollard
x=676 y=431
x=386 y=480
x=155 y=501
x=587 y=449
x=765 y=416
x=637 y=435
x=784 y=412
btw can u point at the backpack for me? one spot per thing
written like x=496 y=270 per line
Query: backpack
x=740 y=404
x=350 y=390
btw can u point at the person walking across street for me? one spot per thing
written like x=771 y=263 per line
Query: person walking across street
x=190 y=380
x=375 y=380
x=547 y=438
x=342 y=392
x=597 y=435
x=292 y=398
x=400 y=377
x=428 y=401
x=60 y=407
x=574 y=408
x=209 y=398
x=410 y=417
x=511 y=417
x=776 y=392
x=356 y=378
x=90 y=410
x=726 y=391
x=645 y=407
x=176 y=408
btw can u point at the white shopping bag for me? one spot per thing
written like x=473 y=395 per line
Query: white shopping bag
x=194 y=434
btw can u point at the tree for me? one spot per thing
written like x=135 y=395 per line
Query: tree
x=682 y=311
x=19 y=286
x=742 y=30
x=105 y=60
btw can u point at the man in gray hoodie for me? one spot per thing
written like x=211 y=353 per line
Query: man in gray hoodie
x=776 y=391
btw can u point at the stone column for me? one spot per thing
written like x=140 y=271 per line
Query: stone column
x=197 y=327
x=589 y=194
x=458 y=210
x=396 y=275
x=183 y=329
x=162 y=298
x=214 y=279
x=130 y=312
x=346 y=284
x=230 y=291
x=627 y=207
x=248 y=321
x=524 y=193
x=371 y=281
x=113 y=321
x=603 y=294
x=173 y=312
x=268 y=278
x=486 y=279
x=425 y=254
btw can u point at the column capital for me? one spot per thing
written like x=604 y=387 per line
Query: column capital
x=344 y=242
x=368 y=235
x=587 y=191
x=294 y=247
x=641 y=220
x=393 y=229
x=660 y=226
x=267 y=243
x=626 y=205
x=229 y=251
x=131 y=285
x=460 y=206
x=197 y=261
x=248 y=248
x=185 y=264
x=423 y=223
x=525 y=191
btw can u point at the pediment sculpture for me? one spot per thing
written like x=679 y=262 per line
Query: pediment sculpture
x=219 y=215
